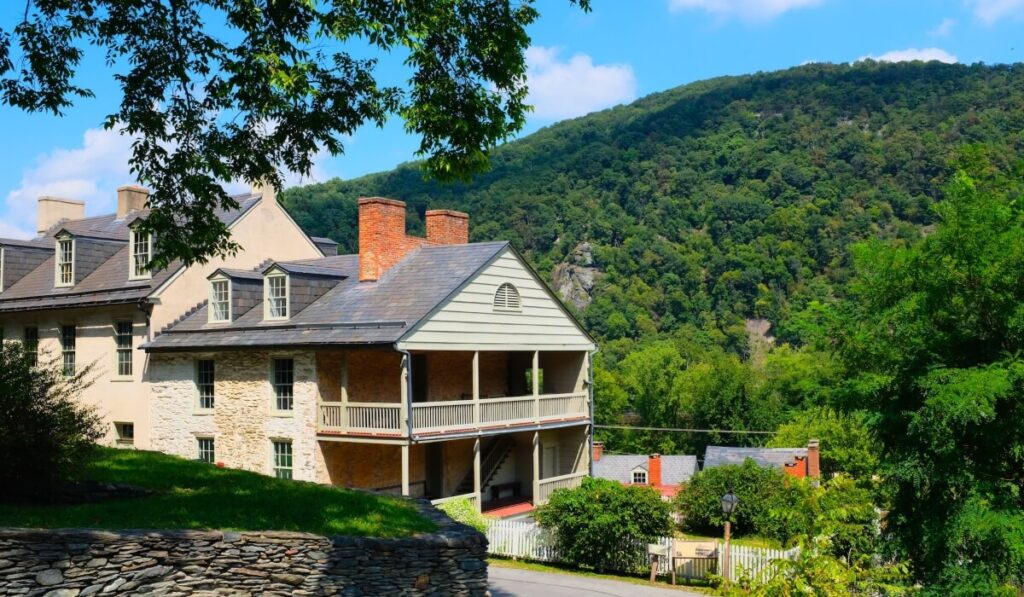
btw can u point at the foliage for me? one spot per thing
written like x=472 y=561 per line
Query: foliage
x=214 y=91
x=931 y=338
x=593 y=522
x=847 y=444
x=47 y=433
x=462 y=510
x=761 y=491
x=196 y=495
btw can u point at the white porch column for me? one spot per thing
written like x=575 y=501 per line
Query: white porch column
x=344 y=391
x=405 y=470
x=476 y=475
x=536 y=466
x=476 y=390
x=406 y=409
x=536 y=387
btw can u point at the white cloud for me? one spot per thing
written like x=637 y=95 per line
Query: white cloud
x=944 y=28
x=564 y=89
x=990 y=11
x=748 y=10
x=923 y=54
x=91 y=172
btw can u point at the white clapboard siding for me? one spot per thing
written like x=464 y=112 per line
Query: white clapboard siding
x=469 y=321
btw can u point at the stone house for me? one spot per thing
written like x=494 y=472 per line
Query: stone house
x=80 y=292
x=428 y=367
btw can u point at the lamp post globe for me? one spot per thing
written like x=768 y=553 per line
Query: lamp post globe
x=729 y=502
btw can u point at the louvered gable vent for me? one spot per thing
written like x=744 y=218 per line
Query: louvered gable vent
x=507 y=298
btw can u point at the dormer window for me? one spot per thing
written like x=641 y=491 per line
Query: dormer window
x=639 y=476
x=220 y=300
x=275 y=290
x=141 y=254
x=65 y=274
x=507 y=298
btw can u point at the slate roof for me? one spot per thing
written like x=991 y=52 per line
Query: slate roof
x=348 y=313
x=619 y=467
x=108 y=282
x=766 y=457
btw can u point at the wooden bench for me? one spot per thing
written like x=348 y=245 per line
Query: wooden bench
x=497 y=488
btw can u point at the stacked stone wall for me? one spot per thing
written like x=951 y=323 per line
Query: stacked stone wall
x=77 y=563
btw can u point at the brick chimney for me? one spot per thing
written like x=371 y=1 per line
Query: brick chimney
x=131 y=198
x=598 y=450
x=813 y=462
x=53 y=210
x=654 y=469
x=446 y=227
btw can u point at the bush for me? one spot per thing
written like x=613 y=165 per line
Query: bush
x=605 y=525
x=46 y=434
x=462 y=510
x=760 y=491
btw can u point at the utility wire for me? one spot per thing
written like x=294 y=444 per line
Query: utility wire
x=723 y=431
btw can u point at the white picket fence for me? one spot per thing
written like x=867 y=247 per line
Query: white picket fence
x=529 y=541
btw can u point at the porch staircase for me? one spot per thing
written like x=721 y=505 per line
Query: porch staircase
x=494 y=455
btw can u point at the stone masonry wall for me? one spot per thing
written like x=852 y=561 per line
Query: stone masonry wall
x=77 y=563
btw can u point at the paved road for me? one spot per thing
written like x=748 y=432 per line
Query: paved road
x=512 y=582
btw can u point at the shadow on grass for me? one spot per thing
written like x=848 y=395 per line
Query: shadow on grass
x=195 y=495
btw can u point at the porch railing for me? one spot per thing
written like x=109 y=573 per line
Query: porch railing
x=473 y=498
x=545 y=487
x=452 y=415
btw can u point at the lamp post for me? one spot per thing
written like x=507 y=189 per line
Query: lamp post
x=729 y=502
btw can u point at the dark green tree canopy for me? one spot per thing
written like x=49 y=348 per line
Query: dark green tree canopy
x=220 y=90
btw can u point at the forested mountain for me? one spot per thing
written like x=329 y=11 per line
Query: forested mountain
x=719 y=201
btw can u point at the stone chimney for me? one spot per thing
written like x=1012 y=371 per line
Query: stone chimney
x=53 y=210
x=813 y=459
x=598 y=451
x=382 y=239
x=446 y=227
x=654 y=470
x=131 y=198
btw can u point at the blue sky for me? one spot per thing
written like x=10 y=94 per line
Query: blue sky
x=579 y=63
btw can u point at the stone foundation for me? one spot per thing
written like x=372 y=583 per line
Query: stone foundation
x=76 y=562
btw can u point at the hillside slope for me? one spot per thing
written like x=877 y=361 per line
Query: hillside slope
x=720 y=201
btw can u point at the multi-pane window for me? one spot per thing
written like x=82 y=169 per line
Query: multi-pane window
x=141 y=253
x=68 y=338
x=220 y=301
x=640 y=477
x=277 y=297
x=123 y=338
x=284 y=383
x=65 y=261
x=283 y=459
x=206 y=450
x=125 y=433
x=204 y=382
x=32 y=343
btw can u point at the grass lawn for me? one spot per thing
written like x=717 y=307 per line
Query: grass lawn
x=662 y=581
x=196 y=495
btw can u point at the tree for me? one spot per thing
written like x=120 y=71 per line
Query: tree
x=47 y=433
x=216 y=90
x=847 y=444
x=931 y=337
x=605 y=525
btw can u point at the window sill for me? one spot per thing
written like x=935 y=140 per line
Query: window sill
x=202 y=412
x=282 y=413
x=122 y=379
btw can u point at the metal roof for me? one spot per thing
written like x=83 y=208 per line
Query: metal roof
x=766 y=457
x=619 y=467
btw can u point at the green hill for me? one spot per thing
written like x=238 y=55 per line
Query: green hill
x=719 y=202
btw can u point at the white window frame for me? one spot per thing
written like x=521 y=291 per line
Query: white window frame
x=503 y=304
x=58 y=278
x=32 y=346
x=278 y=470
x=274 y=398
x=212 y=450
x=118 y=349
x=3 y=257
x=119 y=430
x=267 y=298
x=212 y=311
x=199 y=386
x=133 y=267
x=639 y=472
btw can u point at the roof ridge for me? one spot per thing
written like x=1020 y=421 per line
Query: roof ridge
x=182 y=317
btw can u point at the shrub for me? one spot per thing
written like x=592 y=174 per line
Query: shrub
x=462 y=510
x=605 y=525
x=760 y=491
x=46 y=435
